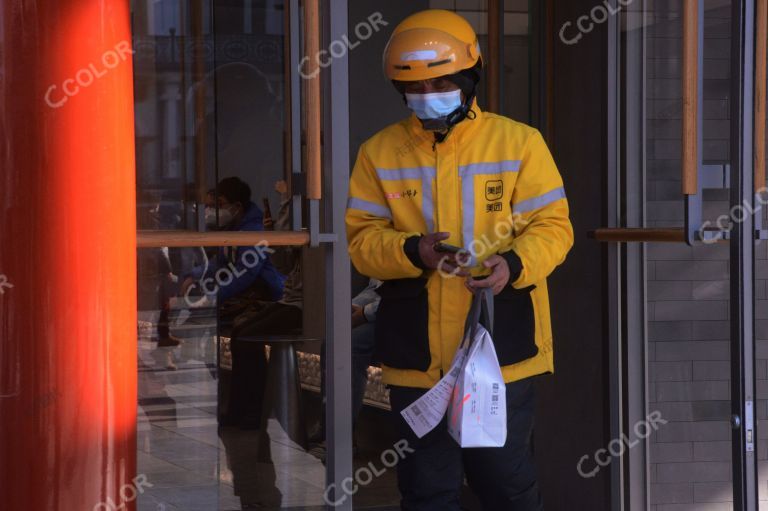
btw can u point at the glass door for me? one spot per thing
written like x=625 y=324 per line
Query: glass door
x=238 y=269
x=685 y=342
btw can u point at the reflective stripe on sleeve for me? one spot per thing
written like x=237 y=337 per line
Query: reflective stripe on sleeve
x=369 y=207
x=540 y=201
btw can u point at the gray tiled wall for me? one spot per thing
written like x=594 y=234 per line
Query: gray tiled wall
x=688 y=308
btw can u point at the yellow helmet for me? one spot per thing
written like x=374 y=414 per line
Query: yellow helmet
x=430 y=44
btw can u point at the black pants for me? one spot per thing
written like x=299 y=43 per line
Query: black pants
x=166 y=289
x=504 y=478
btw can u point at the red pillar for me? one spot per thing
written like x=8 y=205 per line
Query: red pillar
x=67 y=256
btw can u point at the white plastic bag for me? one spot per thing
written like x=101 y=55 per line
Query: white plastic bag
x=477 y=412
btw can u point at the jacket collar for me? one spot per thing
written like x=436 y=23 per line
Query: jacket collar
x=462 y=132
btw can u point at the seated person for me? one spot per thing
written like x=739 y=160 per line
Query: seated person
x=283 y=316
x=240 y=277
x=246 y=273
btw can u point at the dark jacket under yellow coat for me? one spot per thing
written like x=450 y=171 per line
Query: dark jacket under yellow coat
x=494 y=186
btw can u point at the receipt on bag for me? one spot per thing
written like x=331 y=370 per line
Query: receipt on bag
x=426 y=412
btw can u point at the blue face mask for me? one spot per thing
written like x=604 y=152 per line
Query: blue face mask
x=435 y=105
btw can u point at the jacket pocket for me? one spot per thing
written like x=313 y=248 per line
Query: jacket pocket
x=514 y=325
x=402 y=324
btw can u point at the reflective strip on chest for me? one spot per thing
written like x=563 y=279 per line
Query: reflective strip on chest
x=467 y=174
x=500 y=167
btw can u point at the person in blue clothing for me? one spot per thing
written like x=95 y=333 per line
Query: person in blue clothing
x=239 y=278
x=241 y=273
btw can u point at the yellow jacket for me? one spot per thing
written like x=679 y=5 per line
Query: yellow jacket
x=494 y=186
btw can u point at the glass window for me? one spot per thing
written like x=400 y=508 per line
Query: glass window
x=227 y=396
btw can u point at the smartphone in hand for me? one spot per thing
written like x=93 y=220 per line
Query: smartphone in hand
x=446 y=248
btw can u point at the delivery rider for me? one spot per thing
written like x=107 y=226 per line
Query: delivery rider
x=456 y=175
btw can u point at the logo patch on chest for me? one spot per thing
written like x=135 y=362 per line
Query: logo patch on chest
x=494 y=190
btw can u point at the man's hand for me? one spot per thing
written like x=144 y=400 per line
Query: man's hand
x=281 y=187
x=498 y=278
x=443 y=261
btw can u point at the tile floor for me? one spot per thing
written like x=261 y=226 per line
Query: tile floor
x=193 y=465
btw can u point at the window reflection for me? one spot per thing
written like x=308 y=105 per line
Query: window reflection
x=210 y=121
